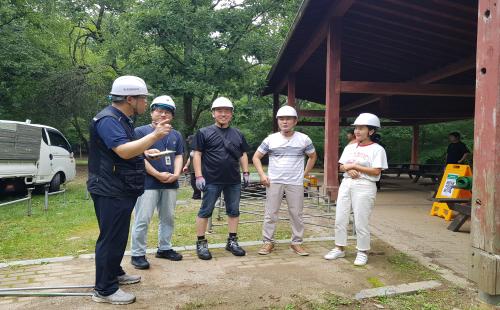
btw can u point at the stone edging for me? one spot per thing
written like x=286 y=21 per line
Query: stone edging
x=149 y=251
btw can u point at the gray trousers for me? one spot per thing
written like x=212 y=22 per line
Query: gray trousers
x=164 y=200
x=295 y=201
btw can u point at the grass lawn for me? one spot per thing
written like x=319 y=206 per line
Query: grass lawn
x=71 y=228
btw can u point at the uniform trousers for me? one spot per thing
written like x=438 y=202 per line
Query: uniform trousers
x=113 y=216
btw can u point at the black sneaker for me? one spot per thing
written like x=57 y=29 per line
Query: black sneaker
x=202 y=249
x=233 y=247
x=139 y=262
x=168 y=254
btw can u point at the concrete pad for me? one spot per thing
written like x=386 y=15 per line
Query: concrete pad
x=397 y=289
x=225 y=282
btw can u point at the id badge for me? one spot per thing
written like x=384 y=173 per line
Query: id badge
x=168 y=162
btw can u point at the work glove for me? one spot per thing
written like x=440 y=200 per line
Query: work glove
x=246 y=179
x=200 y=183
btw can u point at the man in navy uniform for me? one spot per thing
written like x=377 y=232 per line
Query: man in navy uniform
x=116 y=179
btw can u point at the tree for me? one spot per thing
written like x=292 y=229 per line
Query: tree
x=204 y=49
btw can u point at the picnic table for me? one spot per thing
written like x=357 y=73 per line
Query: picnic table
x=462 y=206
x=416 y=171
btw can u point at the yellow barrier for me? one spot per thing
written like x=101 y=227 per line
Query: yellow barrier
x=447 y=190
x=310 y=181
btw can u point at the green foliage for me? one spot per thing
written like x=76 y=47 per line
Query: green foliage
x=403 y=263
x=70 y=227
x=59 y=58
x=432 y=144
x=375 y=282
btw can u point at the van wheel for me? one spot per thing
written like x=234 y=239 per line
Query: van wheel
x=55 y=184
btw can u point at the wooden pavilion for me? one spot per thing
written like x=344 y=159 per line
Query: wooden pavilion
x=409 y=62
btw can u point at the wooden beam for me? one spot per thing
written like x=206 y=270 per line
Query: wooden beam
x=415 y=144
x=356 y=87
x=338 y=9
x=276 y=106
x=485 y=216
x=311 y=124
x=403 y=123
x=447 y=71
x=402 y=26
x=383 y=54
x=373 y=36
x=363 y=41
x=415 y=18
x=312 y=113
x=455 y=5
x=291 y=90
x=398 y=33
x=430 y=77
x=438 y=13
x=365 y=63
x=407 y=117
x=332 y=112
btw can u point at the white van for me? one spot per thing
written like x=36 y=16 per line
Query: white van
x=32 y=154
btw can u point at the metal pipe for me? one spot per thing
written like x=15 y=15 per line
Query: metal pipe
x=46 y=205
x=34 y=288
x=13 y=201
x=30 y=190
x=58 y=192
x=41 y=294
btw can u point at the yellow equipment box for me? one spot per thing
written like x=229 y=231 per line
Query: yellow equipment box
x=447 y=189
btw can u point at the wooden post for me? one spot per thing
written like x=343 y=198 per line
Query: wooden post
x=291 y=90
x=415 y=145
x=276 y=106
x=484 y=267
x=332 y=117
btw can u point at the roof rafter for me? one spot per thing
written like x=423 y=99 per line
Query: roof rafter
x=337 y=10
x=433 y=76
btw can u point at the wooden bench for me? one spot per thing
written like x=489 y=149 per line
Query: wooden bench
x=398 y=169
x=431 y=171
x=462 y=207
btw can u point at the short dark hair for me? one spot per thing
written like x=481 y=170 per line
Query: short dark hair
x=351 y=131
x=117 y=99
x=455 y=134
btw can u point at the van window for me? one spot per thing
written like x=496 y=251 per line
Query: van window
x=44 y=137
x=56 y=139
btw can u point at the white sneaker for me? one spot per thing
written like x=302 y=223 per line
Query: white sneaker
x=334 y=254
x=361 y=259
x=128 y=279
x=117 y=298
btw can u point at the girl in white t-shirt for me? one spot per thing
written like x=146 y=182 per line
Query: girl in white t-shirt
x=362 y=163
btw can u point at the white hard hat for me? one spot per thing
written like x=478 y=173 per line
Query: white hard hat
x=367 y=119
x=129 y=85
x=286 y=111
x=222 y=102
x=165 y=102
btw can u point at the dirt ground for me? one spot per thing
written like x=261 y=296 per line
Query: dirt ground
x=228 y=282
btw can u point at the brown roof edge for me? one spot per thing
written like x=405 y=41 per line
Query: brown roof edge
x=298 y=18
